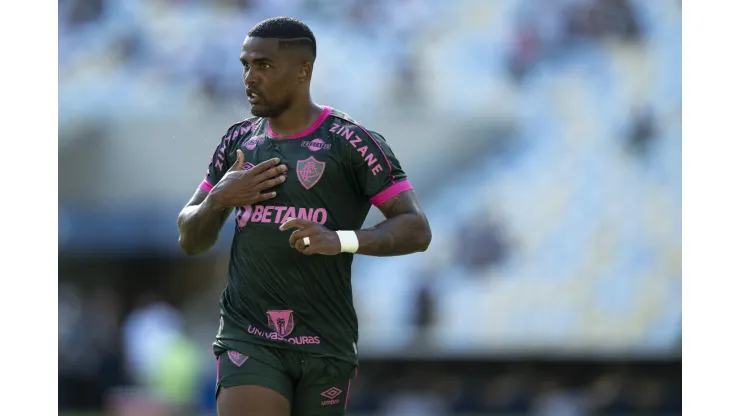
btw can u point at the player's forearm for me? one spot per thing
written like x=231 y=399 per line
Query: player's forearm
x=199 y=226
x=396 y=236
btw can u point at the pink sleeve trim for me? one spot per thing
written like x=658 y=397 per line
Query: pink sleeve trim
x=206 y=186
x=395 y=189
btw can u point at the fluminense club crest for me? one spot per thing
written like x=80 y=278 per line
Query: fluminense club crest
x=309 y=171
x=237 y=358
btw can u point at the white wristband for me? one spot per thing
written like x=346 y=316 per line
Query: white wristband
x=348 y=241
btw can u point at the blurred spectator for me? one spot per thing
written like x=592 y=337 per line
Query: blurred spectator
x=642 y=131
x=79 y=12
x=364 y=397
x=415 y=397
x=408 y=78
x=608 y=395
x=649 y=396
x=90 y=360
x=556 y=400
x=595 y=19
x=149 y=332
x=481 y=243
x=505 y=393
x=425 y=309
x=178 y=372
x=78 y=359
x=161 y=356
x=451 y=389
x=524 y=55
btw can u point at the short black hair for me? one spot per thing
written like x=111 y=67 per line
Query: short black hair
x=291 y=32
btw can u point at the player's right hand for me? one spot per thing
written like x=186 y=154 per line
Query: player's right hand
x=240 y=188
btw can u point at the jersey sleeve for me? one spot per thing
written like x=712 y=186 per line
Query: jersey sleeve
x=220 y=161
x=378 y=171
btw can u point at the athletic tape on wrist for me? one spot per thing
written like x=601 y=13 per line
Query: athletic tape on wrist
x=348 y=241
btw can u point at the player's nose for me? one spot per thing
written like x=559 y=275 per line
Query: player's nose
x=248 y=78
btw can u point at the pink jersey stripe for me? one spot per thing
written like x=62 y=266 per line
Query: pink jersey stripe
x=346 y=395
x=205 y=186
x=324 y=114
x=390 y=167
x=393 y=190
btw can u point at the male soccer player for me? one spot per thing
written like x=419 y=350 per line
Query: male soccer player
x=302 y=178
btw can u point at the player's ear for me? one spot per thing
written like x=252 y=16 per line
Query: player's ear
x=304 y=72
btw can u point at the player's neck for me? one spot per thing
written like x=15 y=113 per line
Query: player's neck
x=295 y=119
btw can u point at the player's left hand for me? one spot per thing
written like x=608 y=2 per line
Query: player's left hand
x=321 y=239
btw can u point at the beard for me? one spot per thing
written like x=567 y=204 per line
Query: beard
x=265 y=109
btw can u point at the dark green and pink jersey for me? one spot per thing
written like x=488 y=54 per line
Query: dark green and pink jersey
x=275 y=295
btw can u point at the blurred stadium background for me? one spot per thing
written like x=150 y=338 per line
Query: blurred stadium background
x=543 y=138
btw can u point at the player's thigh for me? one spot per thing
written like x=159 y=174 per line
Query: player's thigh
x=324 y=388
x=251 y=400
x=247 y=386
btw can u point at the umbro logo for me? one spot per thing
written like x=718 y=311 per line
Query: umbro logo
x=331 y=394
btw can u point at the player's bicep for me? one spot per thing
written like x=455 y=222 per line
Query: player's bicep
x=405 y=202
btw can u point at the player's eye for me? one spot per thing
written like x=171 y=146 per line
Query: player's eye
x=265 y=66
